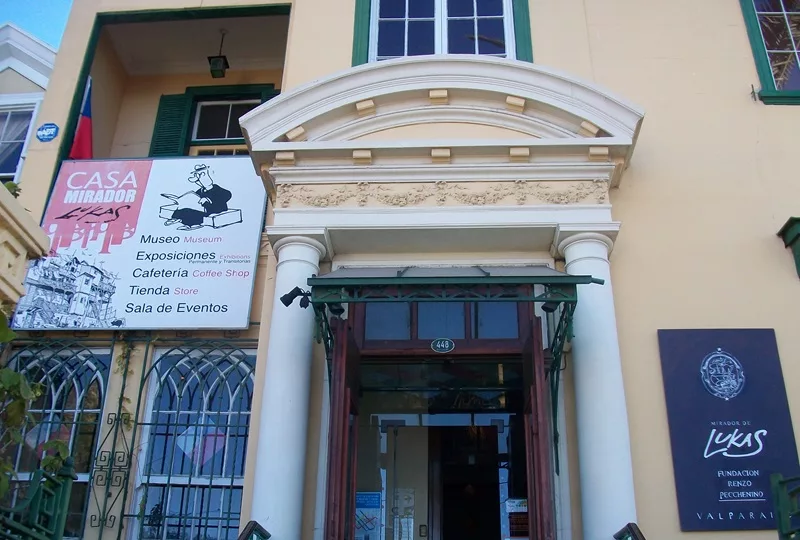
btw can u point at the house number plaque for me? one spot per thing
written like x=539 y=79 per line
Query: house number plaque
x=442 y=345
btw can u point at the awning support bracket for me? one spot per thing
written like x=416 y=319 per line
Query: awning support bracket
x=561 y=336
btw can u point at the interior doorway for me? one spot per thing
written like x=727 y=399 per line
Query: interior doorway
x=470 y=495
x=441 y=476
x=428 y=446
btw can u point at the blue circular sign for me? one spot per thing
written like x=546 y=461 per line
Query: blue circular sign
x=47 y=132
x=442 y=345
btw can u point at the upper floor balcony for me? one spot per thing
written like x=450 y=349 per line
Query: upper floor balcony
x=171 y=83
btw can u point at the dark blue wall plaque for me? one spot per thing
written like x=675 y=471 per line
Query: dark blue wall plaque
x=47 y=132
x=729 y=424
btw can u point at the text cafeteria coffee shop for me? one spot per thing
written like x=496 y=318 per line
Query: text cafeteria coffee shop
x=360 y=331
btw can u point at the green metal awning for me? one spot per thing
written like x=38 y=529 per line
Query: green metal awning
x=446 y=283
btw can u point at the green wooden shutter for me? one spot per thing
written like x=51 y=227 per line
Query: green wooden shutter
x=361 y=33
x=172 y=125
x=522 y=30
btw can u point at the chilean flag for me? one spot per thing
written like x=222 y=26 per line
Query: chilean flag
x=82 y=144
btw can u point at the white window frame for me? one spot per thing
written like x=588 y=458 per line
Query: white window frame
x=230 y=102
x=440 y=29
x=22 y=102
x=216 y=148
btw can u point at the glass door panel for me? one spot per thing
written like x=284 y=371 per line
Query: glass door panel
x=436 y=476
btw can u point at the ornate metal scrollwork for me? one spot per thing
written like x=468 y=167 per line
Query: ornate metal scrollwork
x=111 y=471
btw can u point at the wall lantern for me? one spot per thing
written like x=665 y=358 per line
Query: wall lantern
x=790 y=234
x=218 y=64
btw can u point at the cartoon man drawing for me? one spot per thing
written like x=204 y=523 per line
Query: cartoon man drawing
x=193 y=206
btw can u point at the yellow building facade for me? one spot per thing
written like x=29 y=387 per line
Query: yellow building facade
x=477 y=173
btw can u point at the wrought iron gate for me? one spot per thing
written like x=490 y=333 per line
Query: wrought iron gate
x=171 y=460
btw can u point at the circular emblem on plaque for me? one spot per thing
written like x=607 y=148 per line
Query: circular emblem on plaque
x=722 y=375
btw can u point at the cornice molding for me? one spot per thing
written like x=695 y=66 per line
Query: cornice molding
x=412 y=173
x=311 y=130
x=28 y=56
x=27 y=99
x=441 y=229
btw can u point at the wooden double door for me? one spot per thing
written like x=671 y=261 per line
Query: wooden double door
x=449 y=513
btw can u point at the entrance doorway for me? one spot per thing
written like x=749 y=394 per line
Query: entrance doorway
x=428 y=446
x=441 y=447
x=397 y=363
x=441 y=482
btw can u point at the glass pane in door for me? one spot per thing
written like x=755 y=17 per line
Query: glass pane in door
x=429 y=470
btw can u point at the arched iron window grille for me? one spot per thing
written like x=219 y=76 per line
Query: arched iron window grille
x=70 y=408
x=195 y=433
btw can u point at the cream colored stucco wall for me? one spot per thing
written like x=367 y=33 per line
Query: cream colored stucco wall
x=139 y=105
x=109 y=83
x=442 y=130
x=12 y=82
x=712 y=181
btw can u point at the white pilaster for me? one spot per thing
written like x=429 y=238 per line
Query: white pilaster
x=283 y=424
x=604 y=455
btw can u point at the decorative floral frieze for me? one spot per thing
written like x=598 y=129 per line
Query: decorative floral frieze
x=443 y=194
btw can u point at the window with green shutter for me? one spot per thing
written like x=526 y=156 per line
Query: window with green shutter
x=172 y=124
x=387 y=29
x=181 y=117
x=773 y=27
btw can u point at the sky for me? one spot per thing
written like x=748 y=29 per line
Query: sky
x=44 y=19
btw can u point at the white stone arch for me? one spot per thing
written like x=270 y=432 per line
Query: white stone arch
x=421 y=141
x=553 y=101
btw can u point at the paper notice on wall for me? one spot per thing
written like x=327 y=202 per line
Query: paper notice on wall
x=517 y=518
x=368 y=515
x=404 y=514
x=516 y=506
